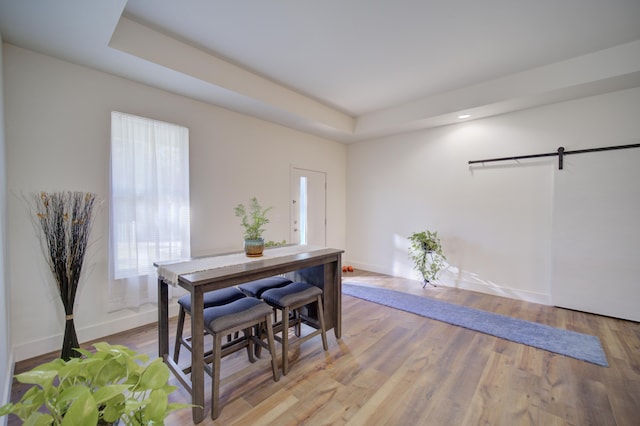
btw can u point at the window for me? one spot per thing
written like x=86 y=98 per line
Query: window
x=149 y=215
x=303 y=210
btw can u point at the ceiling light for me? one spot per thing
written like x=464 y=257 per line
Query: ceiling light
x=461 y=116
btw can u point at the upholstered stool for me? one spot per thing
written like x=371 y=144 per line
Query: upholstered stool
x=210 y=299
x=290 y=299
x=257 y=287
x=244 y=315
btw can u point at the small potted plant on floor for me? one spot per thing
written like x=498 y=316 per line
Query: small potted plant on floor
x=254 y=217
x=112 y=385
x=426 y=252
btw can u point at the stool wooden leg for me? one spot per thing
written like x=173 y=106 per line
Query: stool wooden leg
x=248 y=332
x=322 y=327
x=298 y=321
x=215 y=376
x=258 y=330
x=285 y=340
x=179 y=328
x=232 y=336
x=272 y=349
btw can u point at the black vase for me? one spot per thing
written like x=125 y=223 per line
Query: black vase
x=70 y=340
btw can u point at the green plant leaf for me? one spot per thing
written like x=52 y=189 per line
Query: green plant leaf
x=113 y=408
x=156 y=408
x=38 y=419
x=6 y=409
x=114 y=349
x=71 y=393
x=178 y=406
x=108 y=392
x=110 y=371
x=83 y=410
x=169 y=389
x=76 y=369
x=111 y=415
x=84 y=352
x=154 y=376
x=43 y=378
x=53 y=365
x=132 y=405
x=31 y=401
x=118 y=352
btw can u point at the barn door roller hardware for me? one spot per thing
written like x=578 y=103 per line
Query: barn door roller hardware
x=560 y=153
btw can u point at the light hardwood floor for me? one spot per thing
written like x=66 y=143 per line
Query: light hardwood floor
x=396 y=368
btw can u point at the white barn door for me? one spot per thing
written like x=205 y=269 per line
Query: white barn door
x=596 y=234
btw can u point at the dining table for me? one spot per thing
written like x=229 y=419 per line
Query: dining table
x=319 y=266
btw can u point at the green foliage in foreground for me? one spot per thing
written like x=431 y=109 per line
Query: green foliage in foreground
x=111 y=384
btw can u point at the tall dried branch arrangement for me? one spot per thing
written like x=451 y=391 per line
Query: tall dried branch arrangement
x=65 y=219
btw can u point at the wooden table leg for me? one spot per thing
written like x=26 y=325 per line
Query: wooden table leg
x=336 y=275
x=197 y=354
x=163 y=319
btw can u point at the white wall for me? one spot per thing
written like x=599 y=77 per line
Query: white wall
x=495 y=221
x=6 y=355
x=57 y=133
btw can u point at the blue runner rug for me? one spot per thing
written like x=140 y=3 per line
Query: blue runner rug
x=565 y=342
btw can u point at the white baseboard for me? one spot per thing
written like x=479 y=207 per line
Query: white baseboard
x=368 y=267
x=503 y=291
x=479 y=286
x=53 y=343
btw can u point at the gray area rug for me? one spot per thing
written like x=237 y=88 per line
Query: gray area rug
x=565 y=342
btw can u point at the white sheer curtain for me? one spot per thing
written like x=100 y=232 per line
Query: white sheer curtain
x=149 y=213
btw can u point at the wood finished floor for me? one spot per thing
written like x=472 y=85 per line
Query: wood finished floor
x=395 y=368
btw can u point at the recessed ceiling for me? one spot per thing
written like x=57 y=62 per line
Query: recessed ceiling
x=348 y=70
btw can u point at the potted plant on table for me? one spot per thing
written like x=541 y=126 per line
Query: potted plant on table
x=426 y=252
x=113 y=385
x=254 y=217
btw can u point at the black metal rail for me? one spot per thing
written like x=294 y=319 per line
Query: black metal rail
x=560 y=153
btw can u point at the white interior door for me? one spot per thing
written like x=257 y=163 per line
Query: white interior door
x=596 y=234
x=308 y=207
